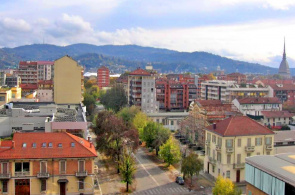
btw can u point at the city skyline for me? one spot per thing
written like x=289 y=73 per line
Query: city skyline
x=251 y=31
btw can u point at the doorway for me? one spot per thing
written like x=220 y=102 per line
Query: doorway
x=208 y=165
x=22 y=187
x=238 y=176
x=62 y=187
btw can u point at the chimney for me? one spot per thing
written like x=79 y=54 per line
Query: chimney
x=214 y=126
x=13 y=144
x=91 y=144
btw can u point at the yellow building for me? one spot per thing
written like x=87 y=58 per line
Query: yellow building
x=229 y=142
x=5 y=95
x=68 y=81
x=16 y=92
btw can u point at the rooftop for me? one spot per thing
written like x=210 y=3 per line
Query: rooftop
x=46 y=145
x=277 y=114
x=239 y=126
x=259 y=100
x=281 y=166
x=284 y=136
x=140 y=71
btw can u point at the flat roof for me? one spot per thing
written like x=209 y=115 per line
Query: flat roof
x=284 y=136
x=281 y=166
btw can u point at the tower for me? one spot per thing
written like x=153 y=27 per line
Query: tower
x=284 y=70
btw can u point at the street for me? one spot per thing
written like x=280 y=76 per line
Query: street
x=150 y=179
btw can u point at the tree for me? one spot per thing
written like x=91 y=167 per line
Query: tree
x=170 y=152
x=140 y=120
x=115 y=98
x=191 y=165
x=149 y=133
x=224 y=186
x=127 y=168
x=162 y=135
x=113 y=134
x=128 y=114
x=89 y=102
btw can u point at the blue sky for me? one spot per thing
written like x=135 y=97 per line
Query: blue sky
x=250 y=30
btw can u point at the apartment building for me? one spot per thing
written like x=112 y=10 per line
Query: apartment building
x=229 y=142
x=142 y=91
x=227 y=91
x=253 y=106
x=13 y=81
x=103 y=77
x=270 y=174
x=2 y=78
x=237 y=77
x=276 y=119
x=45 y=91
x=47 y=163
x=285 y=92
x=68 y=81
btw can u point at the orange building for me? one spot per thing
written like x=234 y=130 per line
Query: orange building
x=103 y=77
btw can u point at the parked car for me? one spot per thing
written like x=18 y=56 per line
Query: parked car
x=179 y=180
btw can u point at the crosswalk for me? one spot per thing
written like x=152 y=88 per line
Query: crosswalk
x=167 y=190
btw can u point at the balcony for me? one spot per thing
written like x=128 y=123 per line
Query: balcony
x=21 y=174
x=218 y=148
x=212 y=161
x=5 y=175
x=239 y=166
x=207 y=142
x=81 y=174
x=42 y=175
x=249 y=148
x=229 y=150
x=268 y=147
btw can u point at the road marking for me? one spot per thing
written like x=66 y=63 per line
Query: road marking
x=146 y=171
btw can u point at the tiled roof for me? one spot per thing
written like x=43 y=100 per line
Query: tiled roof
x=140 y=71
x=239 y=126
x=259 y=100
x=28 y=86
x=82 y=147
x=209 y=102
x=282 y=86
x=50 y=82
x=27 y=63
x=276 y=114
x=236 y=74
x=45 y=62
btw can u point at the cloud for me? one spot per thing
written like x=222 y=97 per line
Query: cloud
x=14 y=25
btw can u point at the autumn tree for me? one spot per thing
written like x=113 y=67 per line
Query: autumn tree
x=149 y=133
x=170 y=152
x=224 y=186
x=191 y=165
x=140 y=120
x=127 y=167
x=113 y=134
x=115 y=98
x=128 y=114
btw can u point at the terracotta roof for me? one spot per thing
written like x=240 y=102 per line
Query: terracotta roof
x=276 y=114
x=140 y=71
x=282 y=86
x=50 y=82
x=236 y=74
x=28 y=86
x=27 y=63
x=259 y=100
x=239 y=126
x=45 y=62
x=209 y=102
x=82 y=147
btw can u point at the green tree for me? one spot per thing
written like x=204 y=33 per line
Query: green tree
x=127 y=167
x=140 y=120
x=150 y=133
x=224 y=186
x=162 y=135
x=191 y=165
x=170 y=152
x=115 y=98
x=89 y=102
x=128 y=114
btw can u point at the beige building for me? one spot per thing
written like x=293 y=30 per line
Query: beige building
x=230 y=141
x=68 y=81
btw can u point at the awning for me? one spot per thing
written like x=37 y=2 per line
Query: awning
x=62 y=181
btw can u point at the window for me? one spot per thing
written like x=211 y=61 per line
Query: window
x=239 y=159
x=62 y=167
x=24 y=145
x=214 y=139
x=228 y=159
x=227 y=174
x=213 y=169
x=267 y=153
x=22 y=168
x=208 y=136
x=268 y=141
x=81 y=164
x=249 y=142
x=229 y=143
x=208 y=151
x=239 y=142
x=34 y=145
x=248 y=154
x=44 y=145
x=50 y=144
x=43 y=185
x=4 y=186
x=43 y=167
x=59 y=145
x=81 y=184
x=218 y=157
x=219 y=142
x=72 y=144
x=172 y=122
x=258 y=141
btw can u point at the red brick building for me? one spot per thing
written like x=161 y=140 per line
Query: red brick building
x=285 y=92
x=103 y=77
x=238 y=77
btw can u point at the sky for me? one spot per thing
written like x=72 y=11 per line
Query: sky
x=248 y=30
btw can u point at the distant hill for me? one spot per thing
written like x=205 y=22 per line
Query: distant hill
x=128 y=57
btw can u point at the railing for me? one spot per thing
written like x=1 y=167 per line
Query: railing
x=5 y=175
x=239 y=166
x=229 y=150
x=218 y=148
x=268 y=147
x=81 y=174
x=212 y=161
x=43 y=175
x=20 y=174
x=207 y=142
x=249 y=148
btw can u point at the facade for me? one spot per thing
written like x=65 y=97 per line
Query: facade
x=237 y=77
x=47 y=163
x=68 y=81
x=45 y=91
x=230 y=141
x=270 y=174
x=276 y=119
x=13 y=81
x=5 y=95
x=142 y=91
x=227 y=91
x=103 y=77
x=170 y=120
x=285 y=92
x=2 y=78
x=251 y=106
x=284 y=69
x=45 y=70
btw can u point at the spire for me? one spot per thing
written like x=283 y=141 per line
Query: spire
x=284 y=54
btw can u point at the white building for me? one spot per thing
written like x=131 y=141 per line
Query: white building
x=170 y=120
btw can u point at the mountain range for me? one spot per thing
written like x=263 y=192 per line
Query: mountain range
x=128 y=57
